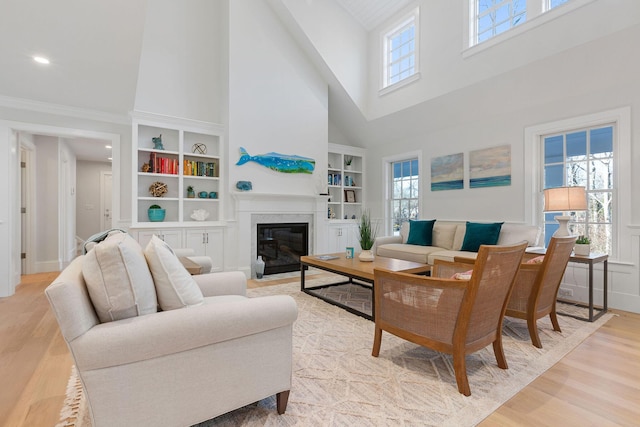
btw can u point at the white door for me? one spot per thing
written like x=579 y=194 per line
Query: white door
x=105 y=200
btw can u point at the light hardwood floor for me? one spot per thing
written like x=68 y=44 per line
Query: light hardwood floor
x=598 y=383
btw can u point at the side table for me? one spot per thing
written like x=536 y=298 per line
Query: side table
x=590 y=260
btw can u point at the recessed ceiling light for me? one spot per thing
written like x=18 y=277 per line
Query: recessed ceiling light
x=108 y=147
x=41 y=60
x=109 y=158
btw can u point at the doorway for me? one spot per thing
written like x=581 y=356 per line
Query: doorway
x=106 y=179
x=31 y=233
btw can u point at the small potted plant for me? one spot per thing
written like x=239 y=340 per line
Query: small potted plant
x=156 y=213
x=190 y=192
x=347 y=162
x=583 y=246
x=366 y=237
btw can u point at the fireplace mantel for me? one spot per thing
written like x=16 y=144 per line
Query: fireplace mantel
x=270 y=202
x=253 y=207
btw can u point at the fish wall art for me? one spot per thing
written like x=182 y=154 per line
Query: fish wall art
x=279 y=162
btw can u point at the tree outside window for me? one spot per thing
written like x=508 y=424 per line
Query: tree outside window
x=583 y=158
x=405 y=193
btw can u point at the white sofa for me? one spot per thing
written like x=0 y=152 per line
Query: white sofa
x=176 y=367
x=447 y=240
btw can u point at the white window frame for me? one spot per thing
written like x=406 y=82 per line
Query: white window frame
x=621 y=119
x=538 y=13
x=387 y=184
x=412 y=18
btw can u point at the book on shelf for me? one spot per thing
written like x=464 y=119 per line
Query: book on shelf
x=164 y=165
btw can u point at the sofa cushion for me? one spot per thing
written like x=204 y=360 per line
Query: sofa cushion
x=511 y=234
x=415 y=253
x=118 y=279
x=450 y=255
x=174 y=285
x=420 y=232
x=404 y=231
x=443 y=234
x=478 y=234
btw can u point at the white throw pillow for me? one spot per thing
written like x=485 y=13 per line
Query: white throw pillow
x=174 y=285
x=118 y=279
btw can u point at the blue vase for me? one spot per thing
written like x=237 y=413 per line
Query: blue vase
x=156 y=215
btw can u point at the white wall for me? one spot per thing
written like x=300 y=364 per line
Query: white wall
x=88 y=214
x=446 y=68
x=278 y=102
x=47 y=164
x=338 y=38
x=593 y=77
x=183 y=60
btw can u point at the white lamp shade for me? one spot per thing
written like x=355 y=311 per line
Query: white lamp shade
x=561 y=199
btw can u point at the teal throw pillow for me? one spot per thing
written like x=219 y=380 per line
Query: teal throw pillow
x=420 y=232
x=480 y=234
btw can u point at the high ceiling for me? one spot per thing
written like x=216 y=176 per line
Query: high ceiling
x=94 y=48
x=371 y=13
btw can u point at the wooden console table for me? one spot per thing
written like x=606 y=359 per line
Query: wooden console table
x=590 y=260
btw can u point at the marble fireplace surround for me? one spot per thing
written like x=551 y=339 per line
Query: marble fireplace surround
x=259 y=208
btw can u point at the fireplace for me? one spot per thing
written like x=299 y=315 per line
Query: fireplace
x=281 y=245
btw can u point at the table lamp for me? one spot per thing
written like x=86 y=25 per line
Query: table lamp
x=562 y=199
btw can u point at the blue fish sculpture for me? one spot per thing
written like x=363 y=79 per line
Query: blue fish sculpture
x=279 y=162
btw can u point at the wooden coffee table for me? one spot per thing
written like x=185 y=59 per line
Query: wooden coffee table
x=356 y=272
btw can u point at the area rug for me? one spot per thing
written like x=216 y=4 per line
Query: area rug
x=336 y=381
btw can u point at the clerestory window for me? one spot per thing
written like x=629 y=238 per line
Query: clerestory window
x=400 y=51
x=491 y=18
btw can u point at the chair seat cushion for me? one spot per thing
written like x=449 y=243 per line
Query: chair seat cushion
x=174 y=285
x=118 y=279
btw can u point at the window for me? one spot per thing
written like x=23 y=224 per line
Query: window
x=583 y=158
x=553 y=3
x=400 y=51
x=497 y=16
x=490 y=18
x=405 y=194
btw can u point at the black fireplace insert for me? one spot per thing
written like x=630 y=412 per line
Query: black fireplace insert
x=281 y=245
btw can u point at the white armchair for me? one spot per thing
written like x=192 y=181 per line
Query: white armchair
x=178 y=367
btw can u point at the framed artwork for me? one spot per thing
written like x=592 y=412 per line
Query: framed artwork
x=447 y=172
x=490 y=167
x=350 y=196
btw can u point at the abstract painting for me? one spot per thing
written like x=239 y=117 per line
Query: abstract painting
x=447 y=172
x=490 y=167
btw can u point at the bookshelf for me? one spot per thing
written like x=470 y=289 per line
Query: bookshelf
x=190 y=157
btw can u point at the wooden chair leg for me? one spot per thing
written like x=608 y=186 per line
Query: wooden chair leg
x=460 y=368
x=554 y=320
x=533 y=332
x=499 y=353
x=281 y=401
x=377 y=340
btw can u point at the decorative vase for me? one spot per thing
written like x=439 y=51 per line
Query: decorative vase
x=582 y=249
x=259 y=267
x=191 y=194
x=366 y=256
x=156 y=215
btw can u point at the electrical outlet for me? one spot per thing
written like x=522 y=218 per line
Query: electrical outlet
x=565 y=292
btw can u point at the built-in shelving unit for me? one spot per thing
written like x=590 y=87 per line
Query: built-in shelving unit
x=191 y=156
x=345 y=179
x=346 y=195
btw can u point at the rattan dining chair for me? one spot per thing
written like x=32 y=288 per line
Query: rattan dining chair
x=536 y=288
x=452 y=316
